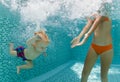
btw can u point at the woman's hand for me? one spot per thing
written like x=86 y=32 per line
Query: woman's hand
x=75 y=41
x=74 y=45
x=78 y=44
x=82 y=42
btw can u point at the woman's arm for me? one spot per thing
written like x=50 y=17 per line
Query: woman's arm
x=85 y=29
x=92 y=29
x=94 y=26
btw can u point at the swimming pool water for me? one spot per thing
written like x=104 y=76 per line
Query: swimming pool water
x=61 y=31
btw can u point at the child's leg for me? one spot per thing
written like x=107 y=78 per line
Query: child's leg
x=28 y=65
x=12 y=51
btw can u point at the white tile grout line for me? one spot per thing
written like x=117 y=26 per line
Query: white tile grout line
x=50 y=73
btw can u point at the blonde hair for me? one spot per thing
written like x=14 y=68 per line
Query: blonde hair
x=44 y=35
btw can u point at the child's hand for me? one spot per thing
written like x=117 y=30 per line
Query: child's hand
x=34 y=46
x=44 y=53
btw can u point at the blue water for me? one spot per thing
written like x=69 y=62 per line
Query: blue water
x=61 y=30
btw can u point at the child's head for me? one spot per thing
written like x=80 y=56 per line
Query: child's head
x=41 y=41
x=41 y=34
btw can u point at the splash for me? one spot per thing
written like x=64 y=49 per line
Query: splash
x=33 y=11
x=82 y=8
x=39 y=10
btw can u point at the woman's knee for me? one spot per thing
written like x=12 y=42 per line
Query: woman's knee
x=85 y=73
x=104 y=75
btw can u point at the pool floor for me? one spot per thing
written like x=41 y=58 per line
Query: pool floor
x=71 y=72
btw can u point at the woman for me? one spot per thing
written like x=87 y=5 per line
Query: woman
x=101 y=43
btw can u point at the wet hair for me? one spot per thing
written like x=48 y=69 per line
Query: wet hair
x=104 y=9
x=44 y=35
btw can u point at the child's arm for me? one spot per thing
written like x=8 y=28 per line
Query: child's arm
x=44 y=53
x=30 y=41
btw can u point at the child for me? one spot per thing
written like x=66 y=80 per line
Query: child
x=35 y=46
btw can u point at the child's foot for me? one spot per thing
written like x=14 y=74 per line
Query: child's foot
x=11 y=48
x=18 y=70
x=11 y=45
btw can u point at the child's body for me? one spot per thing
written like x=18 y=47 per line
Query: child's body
x=35 y=46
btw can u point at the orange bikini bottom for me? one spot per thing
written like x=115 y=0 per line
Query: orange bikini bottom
x=100 y=49
x=106 y=19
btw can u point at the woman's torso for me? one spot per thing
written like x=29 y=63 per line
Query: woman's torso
x=102 y=34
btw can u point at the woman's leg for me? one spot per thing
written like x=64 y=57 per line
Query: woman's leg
x=12 y=51
x=106 y=59
x=89 y=63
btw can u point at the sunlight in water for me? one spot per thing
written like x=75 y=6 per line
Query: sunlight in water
x=95 y=73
